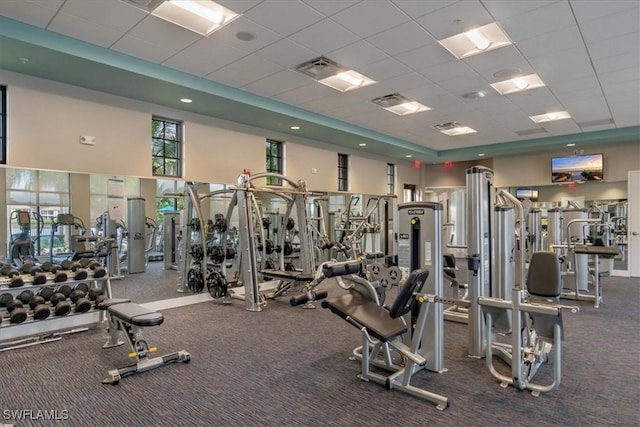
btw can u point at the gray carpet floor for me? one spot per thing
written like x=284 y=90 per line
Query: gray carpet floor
x=287 y=366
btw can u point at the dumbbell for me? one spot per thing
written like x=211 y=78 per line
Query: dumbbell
x=79 y=272
x=56 y=270
x=84 y=287
x=40 y=310
x=97 y=296
x=81 y=302
x=61 y=306
x=17 y=314
x=46 y=292
x=39 y=278
x=13 y=274
x=97 y=268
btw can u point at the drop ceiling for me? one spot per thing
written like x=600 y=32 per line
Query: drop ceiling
x=586 y=52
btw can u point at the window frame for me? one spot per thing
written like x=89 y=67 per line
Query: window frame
x=3 y=124
x=343 y=172
x=279 y=160
x=179 y=147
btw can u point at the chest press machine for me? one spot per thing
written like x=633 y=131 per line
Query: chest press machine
x=129 y=318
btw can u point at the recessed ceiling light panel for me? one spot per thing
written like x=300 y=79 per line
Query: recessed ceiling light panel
x=399 y=104
x=334 y=75
x=549 y=117
x=202 y=17
x=518 y=84
x=454 y=129
x=186 y=100
x=475 y=41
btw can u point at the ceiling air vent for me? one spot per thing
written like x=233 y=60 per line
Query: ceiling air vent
x=320 y=68
x=592 y=123
x=447 y=126
x=147 y=5
x=391 y=100
x=528 y=132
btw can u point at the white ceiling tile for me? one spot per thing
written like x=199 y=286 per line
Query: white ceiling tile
x=611 y=26
x=238 y=6
x=569 y=85
x=553 y=41
x=142 y=49
x=539 y=21
x=445 y=71
x=82 y=29
x=425 y=93
x=586 y=110
x=626 y=114
x=561 y=127
x=626 y=89
x=311 y=92
x=34 y=12
x=287 y=53
x=114 y=14
x=504 y=9
x=370 y=17
x=197 y=66
x=488 y=63
x=578 y=94
x=535 y=101
x=444 y=100
x=284 y=17
x=464 y=83
x=329 y=7
x=406 y=81
x=208 y=50
x=404 y=37
x=628 y=60
x=263 y=36
x=277 y=83
x=587 y=10
x=560 y=66
x=385 y=69
x=171 y=37
x=454 y=19
x=324 y=36
x=245 y=71
x=619 y=76
x=357 y=54
x=426 y=56
x=629 y=43
x=417 y=8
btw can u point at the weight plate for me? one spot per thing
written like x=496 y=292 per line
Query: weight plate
x=195 y=280
x=394 y=275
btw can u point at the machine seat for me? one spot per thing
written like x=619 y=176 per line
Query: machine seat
x=363 y=312
x=603 y=251
x=136 y=314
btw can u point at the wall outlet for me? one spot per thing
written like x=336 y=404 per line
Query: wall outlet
x=314 y=170
x=87 y=140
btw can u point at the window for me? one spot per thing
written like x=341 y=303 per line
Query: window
x=343 y=172
x=166 y=147
x=99 y=193
x=391 y=178
x=274 y=161
x=3 y=124
x=169 y=197
x=43 y=193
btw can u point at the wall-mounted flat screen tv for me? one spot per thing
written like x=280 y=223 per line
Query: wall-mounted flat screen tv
x=579 y=168
x=527 y=193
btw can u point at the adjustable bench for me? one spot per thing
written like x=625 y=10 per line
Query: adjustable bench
x=130 y=318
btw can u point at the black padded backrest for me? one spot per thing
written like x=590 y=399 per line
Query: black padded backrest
x=341 y=268
x=449 y=260
x=543 y=278
x=404 y=302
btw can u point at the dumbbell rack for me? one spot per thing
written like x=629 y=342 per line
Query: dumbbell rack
x=33 y=328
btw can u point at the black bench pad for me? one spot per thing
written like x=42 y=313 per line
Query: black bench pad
x=353 y=307
x=605 y=251
x=292 y=275
x=136 y=314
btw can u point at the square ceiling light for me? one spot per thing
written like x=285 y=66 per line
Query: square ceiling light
x=518 y=84
x=549 y=117
x=454 y=129
x=475 y=41
x=399 y=105
x=200 y=16
x=334 y=75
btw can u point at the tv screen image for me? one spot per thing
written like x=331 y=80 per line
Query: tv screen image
x=527 y=193
x=585 y=167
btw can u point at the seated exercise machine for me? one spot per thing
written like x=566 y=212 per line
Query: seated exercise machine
x=534 y=323
x=130 y=318
x=385 y=333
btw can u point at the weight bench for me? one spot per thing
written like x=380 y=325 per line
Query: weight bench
x=382 y=328
x=130 y=318
x=287 y=279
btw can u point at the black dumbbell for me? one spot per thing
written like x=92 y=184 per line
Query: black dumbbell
x=46 y=292
x=97 y=268
x=56 y=270
x=79 y=273
x=97 y=296
x=25 y=296
x=82 y=303
x=17 y=314
x=39 y=278
x=61 y=306
x=64 y=290
x=40 y=310
x=13 y=274
x=84 y=287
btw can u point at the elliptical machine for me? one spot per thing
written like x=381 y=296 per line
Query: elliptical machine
x=21 y=244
